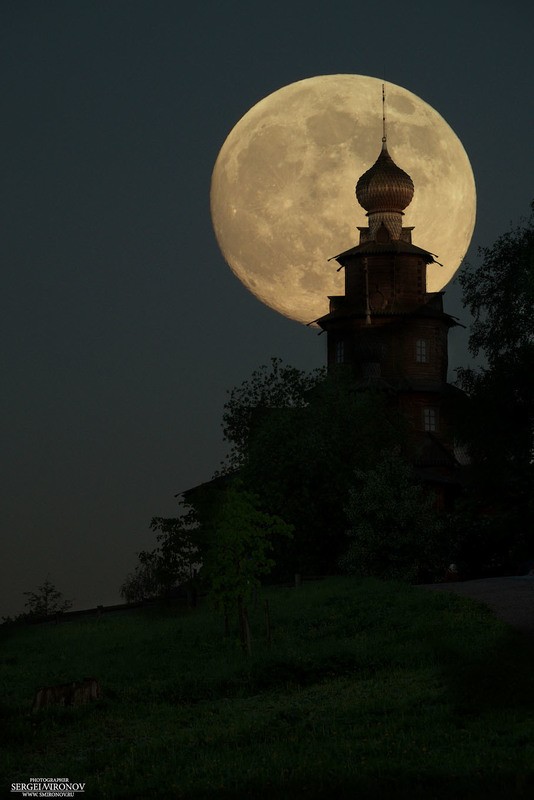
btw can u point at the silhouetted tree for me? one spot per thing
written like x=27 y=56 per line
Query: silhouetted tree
x=174 y=561
x=301 y=462
x=497 y=420
x=499 y=292
x=45 y=602
x=270 y=387
x=142 y=584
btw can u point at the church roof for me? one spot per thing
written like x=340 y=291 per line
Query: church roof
x=425 y=310
x=430 y=451
x=384 y=248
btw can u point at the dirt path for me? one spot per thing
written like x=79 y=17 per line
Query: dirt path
x=512 y=599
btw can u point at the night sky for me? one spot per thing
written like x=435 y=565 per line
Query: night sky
x=122 y=327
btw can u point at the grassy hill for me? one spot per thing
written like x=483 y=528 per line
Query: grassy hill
x=369 y=690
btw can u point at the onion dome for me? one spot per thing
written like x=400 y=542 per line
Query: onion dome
x=384 y=187
x=384 y=191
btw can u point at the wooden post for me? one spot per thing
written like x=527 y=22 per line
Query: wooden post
x=240 y=621
x=297 y=580
x=268 y=622
x=244 y=628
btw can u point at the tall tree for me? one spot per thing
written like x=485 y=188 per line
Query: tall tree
x=497 y=420
x=273 y=386
x=301 y=461
x=173 y=562
x=242 y=539
x=499 y=292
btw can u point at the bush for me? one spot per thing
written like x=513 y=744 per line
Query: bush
x=395 y=531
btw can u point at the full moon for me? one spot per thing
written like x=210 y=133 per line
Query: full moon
x=282 y=190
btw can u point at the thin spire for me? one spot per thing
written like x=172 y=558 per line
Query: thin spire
x=384 y=137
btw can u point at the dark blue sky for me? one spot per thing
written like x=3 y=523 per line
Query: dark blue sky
x=122 y=327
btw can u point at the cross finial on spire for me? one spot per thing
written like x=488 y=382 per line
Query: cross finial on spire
x=384 y=138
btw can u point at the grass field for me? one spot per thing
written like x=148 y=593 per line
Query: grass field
x=369 y=690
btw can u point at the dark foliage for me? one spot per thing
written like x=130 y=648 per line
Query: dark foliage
x=173 y=562
x=394 y=531
x=300 y=461
x=496 y=422
x=270 y=387
x=45 y=602
x=500 y=294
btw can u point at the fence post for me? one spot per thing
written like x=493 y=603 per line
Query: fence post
x=268 y=622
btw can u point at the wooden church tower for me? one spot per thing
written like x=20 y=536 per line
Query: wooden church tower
x=388 y=328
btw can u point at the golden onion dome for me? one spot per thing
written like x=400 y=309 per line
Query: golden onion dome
x=385 y=186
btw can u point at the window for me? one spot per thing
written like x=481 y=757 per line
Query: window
x=430 y=419
x=340 y=351
x=421 y=351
